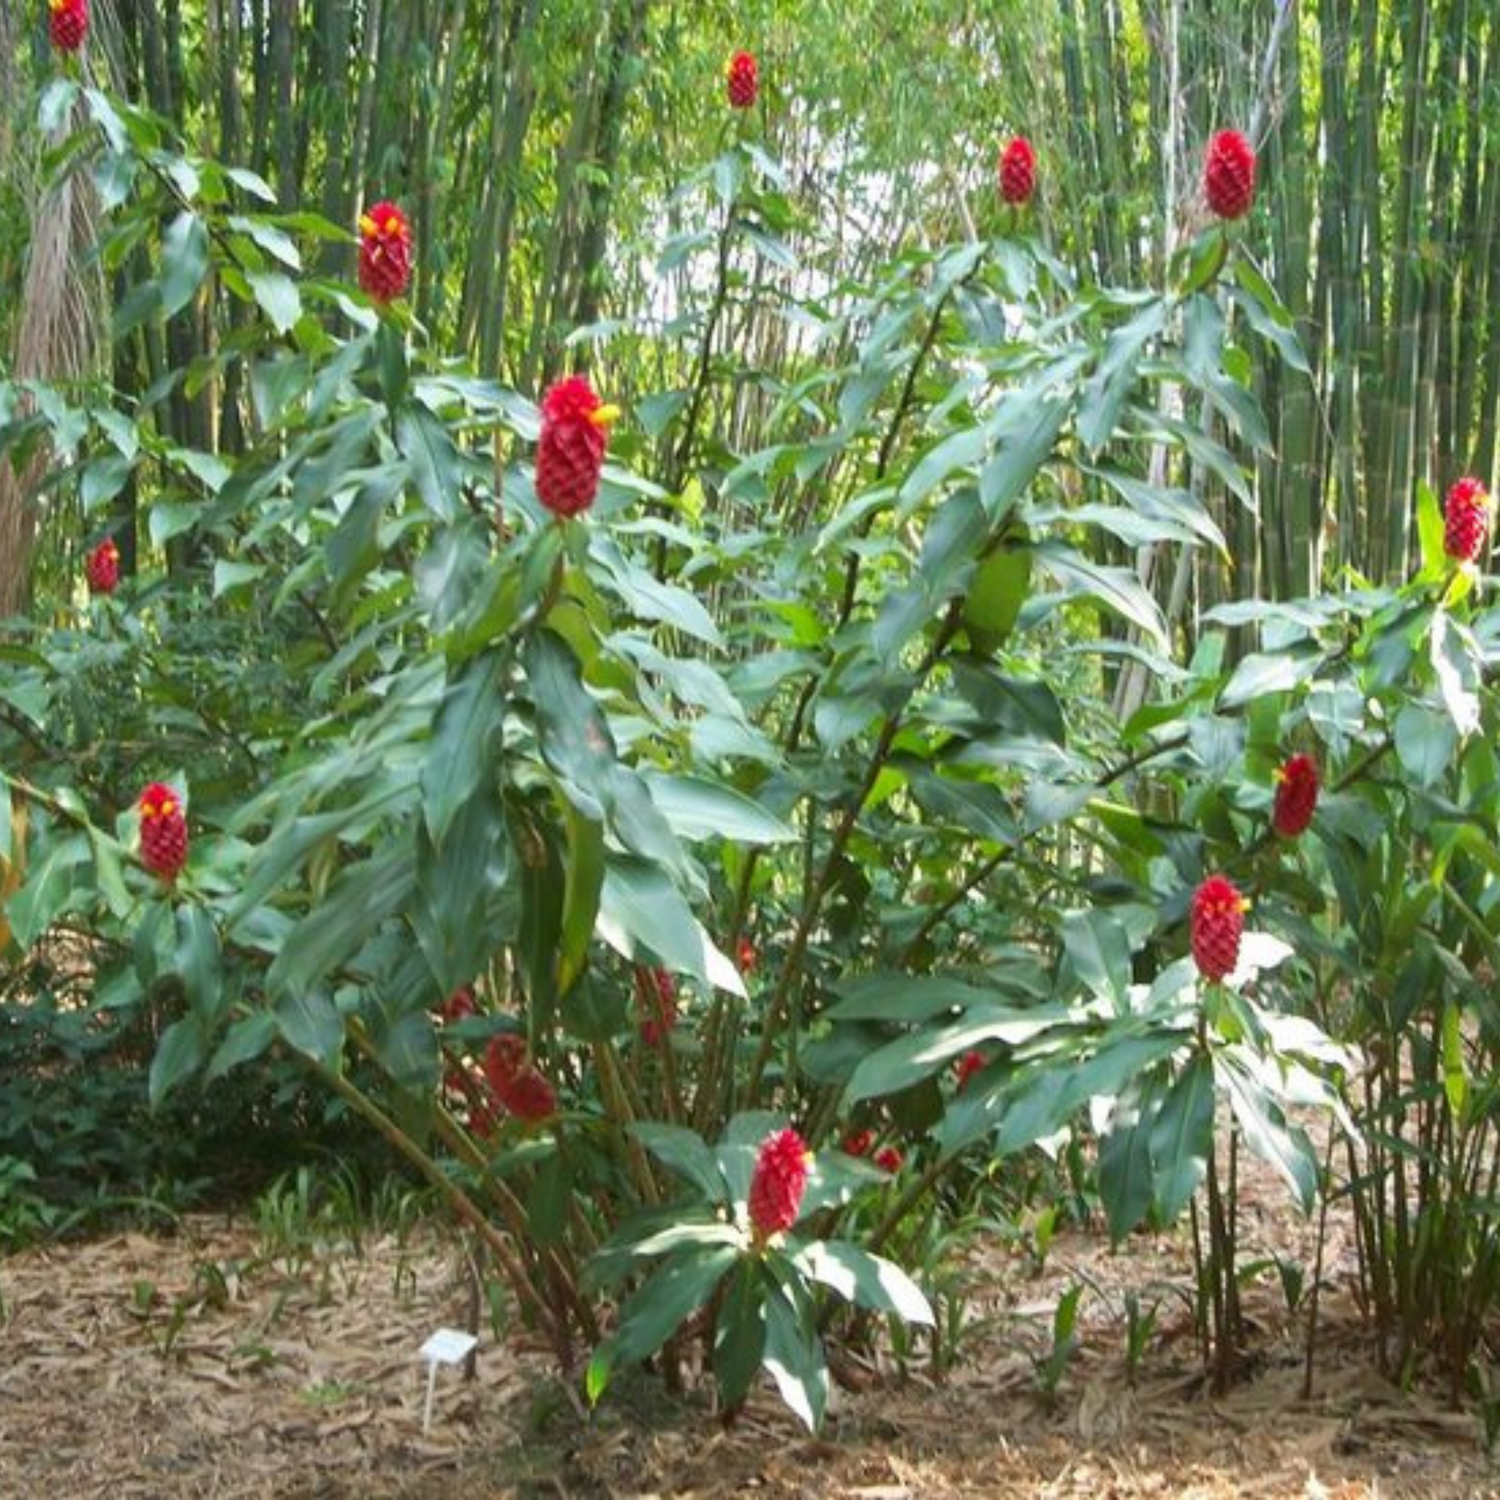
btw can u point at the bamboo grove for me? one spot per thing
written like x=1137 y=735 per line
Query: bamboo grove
x=537 y=144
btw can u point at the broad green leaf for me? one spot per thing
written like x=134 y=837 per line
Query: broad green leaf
x=1182 y=1137
x=1125 y=1168
x=246 y=1040
x=700 y=809
x=179 y=1054
x=184 y=251
x=685 y=1152
x=309 y=1022
x=794 y=1357
x=459 y=752
x=862 y=1278
x=277 y=297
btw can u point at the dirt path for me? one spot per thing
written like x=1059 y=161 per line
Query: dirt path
x=189 y=1365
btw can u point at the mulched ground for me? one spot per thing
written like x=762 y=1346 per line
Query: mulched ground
x=191 y=1365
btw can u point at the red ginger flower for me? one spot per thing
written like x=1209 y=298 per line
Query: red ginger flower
x=889 y=1159
x=459 y=1004
x=656 y=999
x=516 y=1082
x=745 y=952
x=741 y=81
x=1229 y=174
x=858 y=1142
x=575 y=429
x=102 y=567
x=1296 y=796
x=1018 y=171
x=967 y=1066
x=68 y=23
x=1466 y=521
x=779 y=1181
x=164 y=835
x=384 y=251
x=1218 y=924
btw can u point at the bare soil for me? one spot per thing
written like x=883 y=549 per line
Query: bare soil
x=191 y=1365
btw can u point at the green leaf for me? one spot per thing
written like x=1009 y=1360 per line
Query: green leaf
x=1125 y=1169
x=184 y=262
x=51 y=883
x=865 y=1279
x=740 y=1333
x=1182 y=1137
x=309 y=1022
x=338 y=926
x=1119 y=366
x=1426 y=743
x=1266 y=1131
x=201 y=964
x=640 y=905
x=434 y=459
x=699 y=809
x=1024 y=431
x=686 y=1153
x=277 y=297
x=1117 y=589
x=246 y=1040
x=659 y=1307
x=468 y=722
x=794 y=1357
x=585 y=881
x=179 y=1053
x=1430 y=530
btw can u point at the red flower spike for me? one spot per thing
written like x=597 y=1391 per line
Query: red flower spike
x=656 y=998
x=504 y=1058
x=779 y=1181
x=1229 y=174
x=1218 y=924
x=529 y=1096
x=1296 y=796
x=1466 y=521
x=967 y=1066
x=516 y=1082
x=460 y=1004
x=68 y=23
x=1018 y=171
x=164 y=835
x=889 y=1159
x=570 y=453
x=741 y=80
x=384 y=252
x=745 y=952
x=858 y=1142
x=102 y=567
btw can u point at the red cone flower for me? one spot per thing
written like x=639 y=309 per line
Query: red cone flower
x=1218 y=924
x=741 y=81
x=967 y=1066
x=459 y=1004
x=164 y=835
x=745 y=952
x=575 y=429
x=1229 y=175
x=1018 y=171
x=778 y=1184
x=384 y=252
x=516 y=1081
x=68 y=23
x=1466 y=521
x=103 y=567
x=656 y=999
x=858 y=1142
x=1296 y=796
x=889 y=1159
